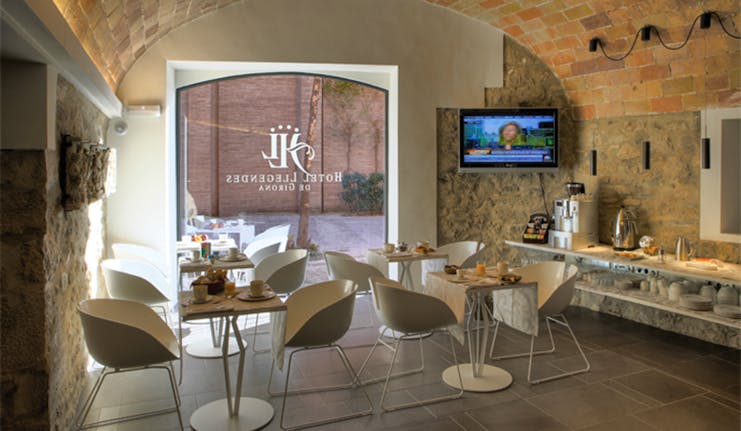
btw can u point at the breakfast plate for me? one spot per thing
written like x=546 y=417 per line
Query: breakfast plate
x=209 y=298
x=246 y=296
x=236 y=258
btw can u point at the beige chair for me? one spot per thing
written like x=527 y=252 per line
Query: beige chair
x=136 y=280
x=126 y=336
x=271 y=241
x=556 y=283
x=129 y=251
x=341 y=266
x=410 y=314
x=316 y=317
x=284 y=273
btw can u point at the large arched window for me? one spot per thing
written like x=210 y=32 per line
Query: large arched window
x=258 y=151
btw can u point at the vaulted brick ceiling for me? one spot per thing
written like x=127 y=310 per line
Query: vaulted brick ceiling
x=706 y=72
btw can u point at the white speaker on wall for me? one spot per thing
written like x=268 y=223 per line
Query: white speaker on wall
x=143 y=110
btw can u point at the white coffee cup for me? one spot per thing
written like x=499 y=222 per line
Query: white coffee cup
x=502 y=267
x=459 y=274
x=233 y=252
x=257 y=288
x=388 y=248
x=196 y=255
x=200 y=292
x=223 y=236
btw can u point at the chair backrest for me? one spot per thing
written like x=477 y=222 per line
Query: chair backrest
x=134 y=280
x=556 y=283
x=285 y=271
x=122 y=250
x=470 y=261
x=124 y=334
x=275 y=234
x=407 y=311
x=319 y=314
x=341 y=266
x=259 y=249
x=459 y=251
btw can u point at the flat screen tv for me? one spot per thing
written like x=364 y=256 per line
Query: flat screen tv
x=508 y=140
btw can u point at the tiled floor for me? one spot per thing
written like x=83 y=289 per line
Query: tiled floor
x=641 y=379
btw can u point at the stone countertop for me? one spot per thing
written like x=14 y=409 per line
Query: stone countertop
x=729 y=273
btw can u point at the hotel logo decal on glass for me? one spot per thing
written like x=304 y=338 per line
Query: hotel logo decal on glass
x=281 y=146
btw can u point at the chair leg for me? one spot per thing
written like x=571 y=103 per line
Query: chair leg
x=565 y=323
x=418 y=403
x=520 y=355
x=353 y=382
x=91 y=398
x=394 y=348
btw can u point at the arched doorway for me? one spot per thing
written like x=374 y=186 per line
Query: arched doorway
x=309 y=151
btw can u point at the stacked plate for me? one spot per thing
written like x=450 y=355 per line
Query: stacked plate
x=730 y=311
x=695 y=302
x=624 y=284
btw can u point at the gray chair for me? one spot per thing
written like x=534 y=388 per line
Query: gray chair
x=556 y=283
x=136 y=280
x=410 y=314
x=316 y=317
x=341 y=266
x=126 y=336
x=284 y=273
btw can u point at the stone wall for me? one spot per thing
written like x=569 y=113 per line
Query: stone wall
x=44 y=276
x=25 y=373
x=495 y=207
x=67 y=275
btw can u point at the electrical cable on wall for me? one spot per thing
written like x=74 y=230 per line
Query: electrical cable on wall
x=704 y=18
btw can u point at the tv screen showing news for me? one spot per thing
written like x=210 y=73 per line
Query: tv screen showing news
x=508 y=139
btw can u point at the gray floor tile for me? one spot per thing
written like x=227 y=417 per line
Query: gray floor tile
x=604 y=364
x=625 y=423
x=515 y=415
x=660 y=386
x=698 y=413
x=590 y=405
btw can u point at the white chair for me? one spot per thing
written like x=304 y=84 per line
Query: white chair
x=126 y=336
x=556 y=283
x=461 y=253
x=316 y=317
x=284 y=273
x=272 y=240
x=410 y=314
x=136 y=280
x=341 y=266
x=129 y=251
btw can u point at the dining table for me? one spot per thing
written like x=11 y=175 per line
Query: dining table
x=516 y=305
x=234 y=412
x=206 y=347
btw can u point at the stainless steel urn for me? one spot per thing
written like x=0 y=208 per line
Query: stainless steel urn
x=625 y=232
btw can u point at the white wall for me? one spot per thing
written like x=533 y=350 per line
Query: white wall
x=444 y=59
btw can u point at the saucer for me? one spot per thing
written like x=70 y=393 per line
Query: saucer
x=246 y=296
x=209 y=298
x=236 y=258
x=460 y=280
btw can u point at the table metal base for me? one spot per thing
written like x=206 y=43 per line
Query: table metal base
x=253 y=414
x=492 y=378
x=203 y=348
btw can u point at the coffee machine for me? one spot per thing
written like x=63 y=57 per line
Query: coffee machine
x=574 y=220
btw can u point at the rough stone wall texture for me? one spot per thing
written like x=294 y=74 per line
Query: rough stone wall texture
x=67 y=276
x=495 y=207
x=25 y=373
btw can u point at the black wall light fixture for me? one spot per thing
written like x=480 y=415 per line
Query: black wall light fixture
x=593 y=163
x=705 y=143
x=646 y=155
x=705 y=19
